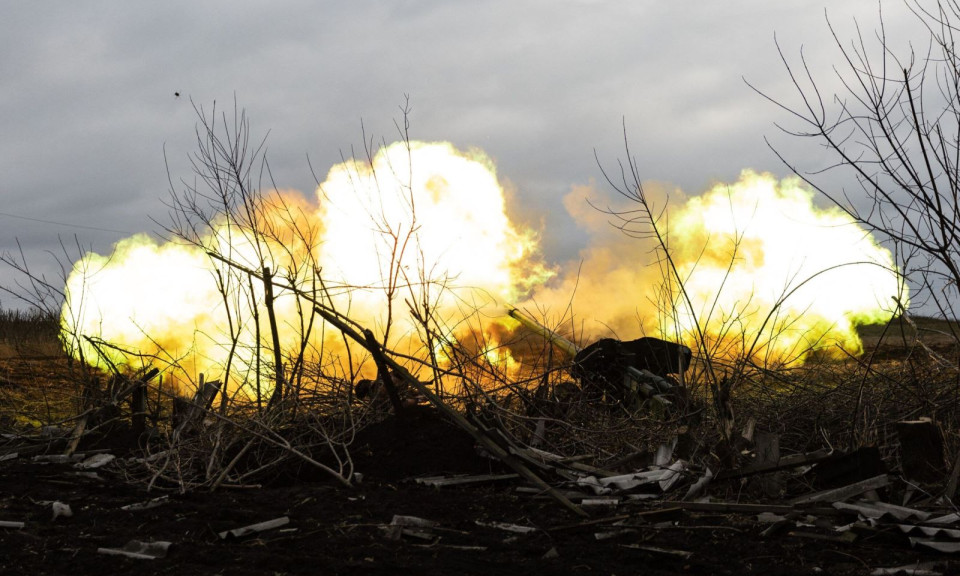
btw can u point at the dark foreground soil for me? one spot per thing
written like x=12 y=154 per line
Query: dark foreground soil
x=333 y=530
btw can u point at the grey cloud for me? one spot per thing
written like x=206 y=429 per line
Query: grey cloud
x=87 y=104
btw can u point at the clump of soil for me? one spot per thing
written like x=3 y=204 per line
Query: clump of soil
x=420 y=443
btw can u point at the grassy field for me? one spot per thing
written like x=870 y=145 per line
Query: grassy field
x=28 y=333
x=38 y=383
x=934 y=332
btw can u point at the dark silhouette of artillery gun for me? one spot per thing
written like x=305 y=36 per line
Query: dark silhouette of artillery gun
x=622 y=371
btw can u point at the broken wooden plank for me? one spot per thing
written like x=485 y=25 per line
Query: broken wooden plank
x=845 y=492
x=415 y=521
x=72 y=458
x=880 y=509
x=659 y=514
x=19 y=450
x=95 y=461
x=657 y=550
x=412 y=526
x=538 y=454
x=611 y=534
x=255 y=528
x=507 y=527
x=778 y=525
x=600 y=502
x=841 y=538
x=784 y=463
x=441 y=481
x=139 y=550
x=147 y=505
x=731 y=507
x=581 y=467
x=844 y=468
x=915 y=569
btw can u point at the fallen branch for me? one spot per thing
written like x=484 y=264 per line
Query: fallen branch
x=484 y=439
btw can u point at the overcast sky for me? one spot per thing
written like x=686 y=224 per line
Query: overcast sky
x=88 y=105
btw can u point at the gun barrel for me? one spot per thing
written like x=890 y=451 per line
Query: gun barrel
x=558 y=340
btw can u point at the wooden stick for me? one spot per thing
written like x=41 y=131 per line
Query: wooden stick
x=487 y=442
x=845 y=492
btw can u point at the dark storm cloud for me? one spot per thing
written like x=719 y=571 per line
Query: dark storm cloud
x=87 y=103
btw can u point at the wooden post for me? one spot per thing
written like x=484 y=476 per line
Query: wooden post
x=138 y=406
x=921 y=450
x=195 y=410
x=768 y=454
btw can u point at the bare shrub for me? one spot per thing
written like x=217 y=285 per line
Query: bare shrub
x=891 y=134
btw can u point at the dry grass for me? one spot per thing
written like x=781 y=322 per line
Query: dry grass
x=36 y=381
x=838 y=404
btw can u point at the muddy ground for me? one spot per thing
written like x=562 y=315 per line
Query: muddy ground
x=334 y=530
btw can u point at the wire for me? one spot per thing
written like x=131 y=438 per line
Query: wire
x=64 y=224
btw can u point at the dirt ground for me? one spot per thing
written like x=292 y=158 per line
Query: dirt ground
x=334 y=530
x=325 y=528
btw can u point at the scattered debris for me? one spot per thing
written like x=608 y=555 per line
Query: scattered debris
x=845 y=492
x=400 y=520
x=255 y=528
x=656 y=550
x=626 y=499
x=95 y=461
x=938 y=545
x=919 y=569
x=152 y=503
x=882 y=509
x=441 y=481
x=139 y=550
x=697 y=488
x=190 y=413
x=59 y=458
x=411 y=526
x=507 y=527
x=61 y=510
x=593 y=502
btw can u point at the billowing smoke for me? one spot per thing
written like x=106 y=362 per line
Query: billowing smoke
x=759 y=269
x=424 y=225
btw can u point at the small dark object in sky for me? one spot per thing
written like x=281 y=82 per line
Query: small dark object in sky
x=176 y=94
